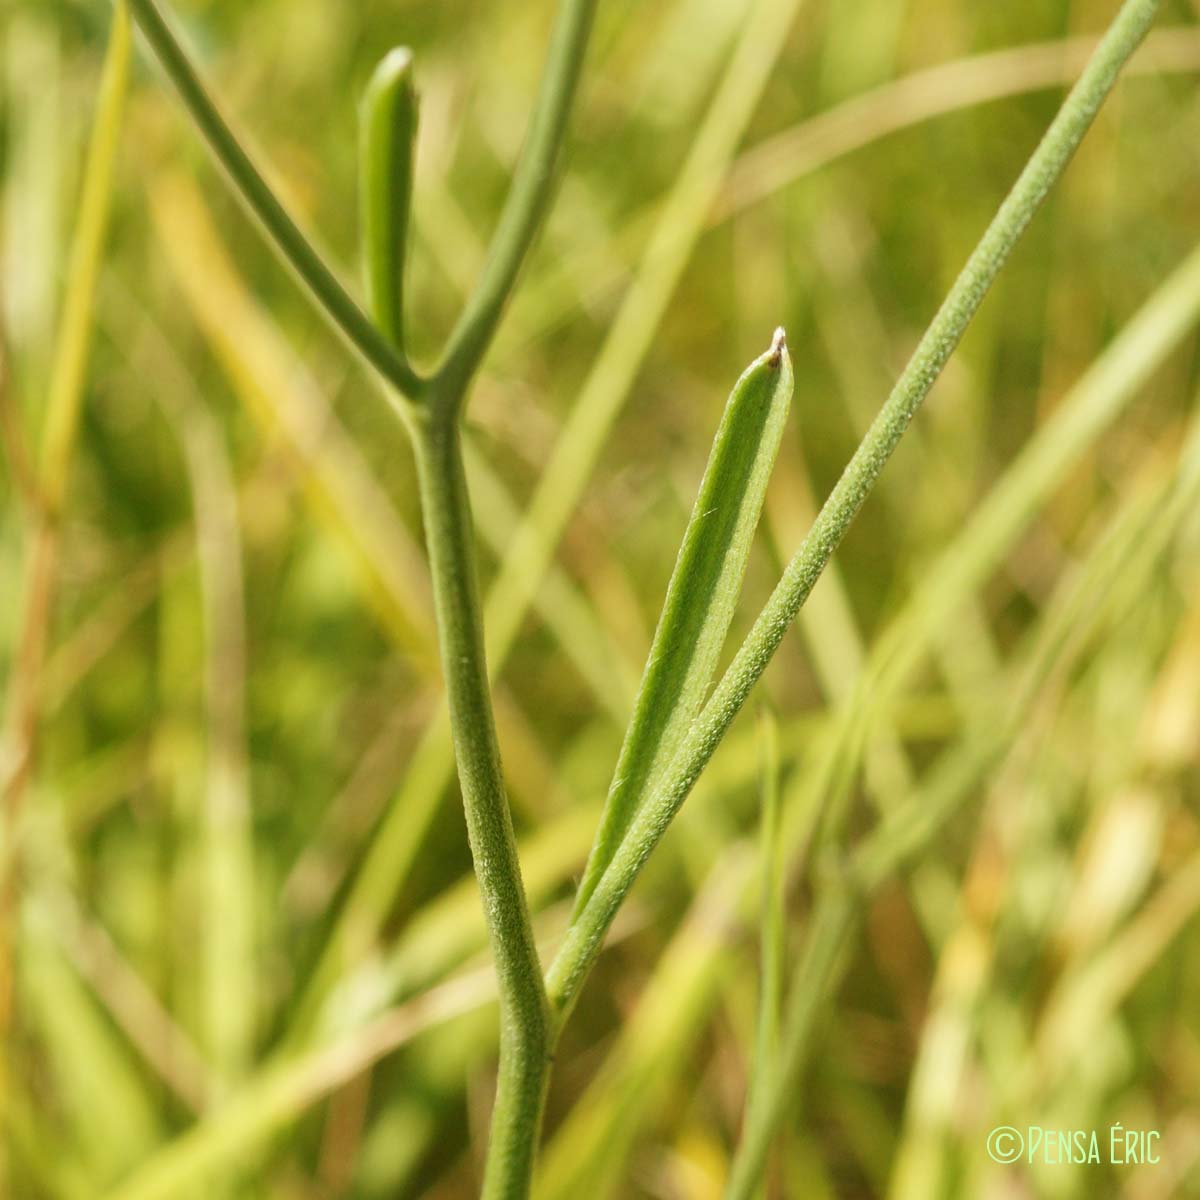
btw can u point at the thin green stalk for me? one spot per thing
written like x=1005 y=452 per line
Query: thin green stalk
x=526 y=1023
x=261 y=202
x=526 y=206
x=585 y=935
x=526 y=1028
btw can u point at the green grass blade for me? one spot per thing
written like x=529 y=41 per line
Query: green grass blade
x=772 y=929
x=386 y=148
x=107 y=1106
x=702 y=594
x=39 y=585
x=75 y=331
x=228 y=852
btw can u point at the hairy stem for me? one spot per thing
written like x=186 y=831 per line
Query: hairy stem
x=586 y=933
x=256 y=194
x=525 y=1023
x=527 y=1029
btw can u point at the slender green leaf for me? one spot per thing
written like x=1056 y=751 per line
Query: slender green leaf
x=386 y=145
x=702 y=594
x=772 y=941
x=107 y=1105
x=67 y=381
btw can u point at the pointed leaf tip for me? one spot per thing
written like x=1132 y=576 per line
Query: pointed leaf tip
x=701 y=597
x=395 y=63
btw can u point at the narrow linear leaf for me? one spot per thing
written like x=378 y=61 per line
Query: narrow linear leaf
x=702 y=594
x=68 y=378
x=386 y=150
x=772 y=928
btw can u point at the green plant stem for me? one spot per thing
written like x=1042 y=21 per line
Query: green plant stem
x=526 y=1028
x=528 y=200
x=1048 y=161
x=281 y=229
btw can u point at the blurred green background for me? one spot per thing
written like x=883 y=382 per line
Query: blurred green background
x=249 y=960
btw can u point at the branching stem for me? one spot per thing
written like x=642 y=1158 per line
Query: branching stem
x=527 y=1028
x=329 y=295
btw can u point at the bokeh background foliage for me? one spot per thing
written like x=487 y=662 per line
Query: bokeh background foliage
x=250 y=960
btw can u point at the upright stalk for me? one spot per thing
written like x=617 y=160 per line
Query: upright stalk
x=526 y=1028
